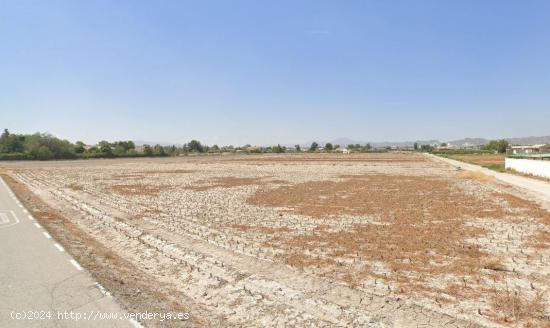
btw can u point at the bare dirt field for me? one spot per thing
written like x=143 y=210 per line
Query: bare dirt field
x=367 y=240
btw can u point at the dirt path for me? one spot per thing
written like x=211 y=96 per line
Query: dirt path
x=537 y=189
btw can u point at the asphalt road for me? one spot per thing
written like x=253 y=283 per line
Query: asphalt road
x=535 y=188
x=40 y=284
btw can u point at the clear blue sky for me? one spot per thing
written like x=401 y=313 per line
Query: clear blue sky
x=260 y=72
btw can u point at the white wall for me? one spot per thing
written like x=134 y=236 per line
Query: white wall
x=529 y=166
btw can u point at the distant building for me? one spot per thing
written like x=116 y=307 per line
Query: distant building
x=444 y=147
x=528 y=149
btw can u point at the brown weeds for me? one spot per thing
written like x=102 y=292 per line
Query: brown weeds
x=511 y=306
x=417 y=227
x=480 y=159
x=75 y=187
x=478 y=176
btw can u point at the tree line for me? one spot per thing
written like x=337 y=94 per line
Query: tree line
x=43 y=146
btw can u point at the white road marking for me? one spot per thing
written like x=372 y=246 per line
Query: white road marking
x=30 y=217
x=59 y=247
x=76 y=265
x=25 y=210
x=37 y=225
x=8 y=224
x=47 y=235
x=102 y=289
x=20 y=205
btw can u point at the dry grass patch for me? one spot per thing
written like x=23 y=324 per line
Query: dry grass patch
x=421 y=221
x=495 y=265
x=480 y=159
x=75 y=187
x=510 y=306
x=388 y=196
x=419 y=231
x=474 y=175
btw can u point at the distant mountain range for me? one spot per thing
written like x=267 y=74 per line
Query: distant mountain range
x=513 y=141
x=460 y=142
x=348 y=141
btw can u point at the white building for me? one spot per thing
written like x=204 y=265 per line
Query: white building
x=528 y=149
x=529 y=159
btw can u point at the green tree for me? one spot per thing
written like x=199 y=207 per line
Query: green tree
x=314 y=146
x=79 y=147
x=105 y=148
x=158 y=150
x=278 y=149
x=147 y=150
x=122 y=147
x=415 y=146
x=328 y=147
x=36 y=145
x=11 y=143
x=172 y=150
x=497 y=146
x=426 y=148
x=195 y=146
x=119 y=150
x=43 y=153
x=298 y=148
